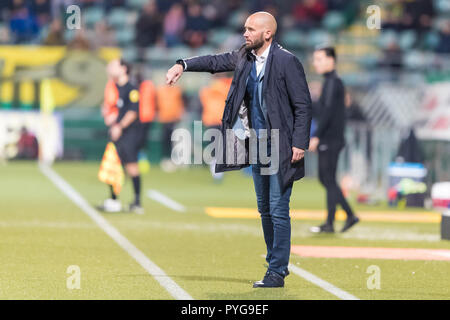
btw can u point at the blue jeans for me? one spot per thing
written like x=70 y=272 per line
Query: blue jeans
x=273 y=206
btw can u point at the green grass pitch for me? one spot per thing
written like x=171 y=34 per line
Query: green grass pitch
x=42 y=232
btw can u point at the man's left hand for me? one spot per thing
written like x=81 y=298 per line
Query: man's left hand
x=116 y=132
x=297 y=154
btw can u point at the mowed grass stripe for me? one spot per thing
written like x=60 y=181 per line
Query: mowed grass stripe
x=165 y=281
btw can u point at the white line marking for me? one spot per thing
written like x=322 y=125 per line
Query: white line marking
x=164 y=280
x=344 y=295
x=308 y=276
x=165 y=200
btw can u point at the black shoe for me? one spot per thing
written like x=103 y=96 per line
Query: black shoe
x=271 y=280
x=350 y=223
x=286 y=272
x=324 y=228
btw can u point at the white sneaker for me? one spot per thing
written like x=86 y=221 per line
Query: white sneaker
x=111 y=205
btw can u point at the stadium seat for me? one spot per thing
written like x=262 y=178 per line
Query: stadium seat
x=156 y=54
x=236 y=20
x=92 y=15
x=414 y=59
x=333 y=21
x=319 y=37
x=407 y=39
x=430 y=40
x=117 y=18
x=130 y=54
x=218 y=36
x=125 y=36
x=442 y=6
x=69 y=35
x=136 y=4
x=386 y=37
x=294 y=39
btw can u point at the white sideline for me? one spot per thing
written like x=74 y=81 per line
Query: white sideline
x=308 y=276
x=165 y=200
x=344 y=295
x=164 y=280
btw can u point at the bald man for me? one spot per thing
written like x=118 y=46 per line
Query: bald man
x=265 y=124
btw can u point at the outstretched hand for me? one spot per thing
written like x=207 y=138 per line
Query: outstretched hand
x=174 y=74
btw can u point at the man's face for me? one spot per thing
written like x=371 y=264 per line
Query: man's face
x=254 y=35
x=115 y=70
x=322 y=63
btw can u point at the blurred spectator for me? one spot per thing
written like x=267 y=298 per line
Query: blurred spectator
x=418 y=14
x=340 y=5
x=174 y=23
x=41 y=8
x=5 y=7
x=393 y=15
x=353 y=110
x=23 y=25
x=444 y=38
x=309 y=13
x=109 y=4
x=80 y=41
x=55 y=35
x=165 y=5
x=392 y=57
x=196 y=26
x=27 y=145
x=148 y=26
x=102 y=35
x=4 y=35
x=169 y=100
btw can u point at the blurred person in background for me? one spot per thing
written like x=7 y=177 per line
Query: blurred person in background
x=147 y=110
x=80 y=41
x=170 y=108
x=41 y=8
x=309 y=13
x=28 y=146
x=55 y=36
x=23 y=24
x=101 y=36
x=148 y=26
x=173 y=25
x=444 y=38
x=212 y=100
x=125 y=131
x=196 y=26
x=328 y=139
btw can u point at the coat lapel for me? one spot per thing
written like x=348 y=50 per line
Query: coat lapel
x=273 y=47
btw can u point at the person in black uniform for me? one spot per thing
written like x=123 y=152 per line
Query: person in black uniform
x=126 y=132
x=328 y=138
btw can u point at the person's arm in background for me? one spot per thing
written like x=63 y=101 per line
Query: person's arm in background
x=130 y=116
x=330 y=91
x=209 y=63
x=326 y=110
x=300 y=99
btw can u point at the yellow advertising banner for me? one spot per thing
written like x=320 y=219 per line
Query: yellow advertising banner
x=65 y=77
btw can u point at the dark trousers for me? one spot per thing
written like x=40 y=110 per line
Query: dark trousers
x=166 y=139
x=273 y=206
x=328 y=160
